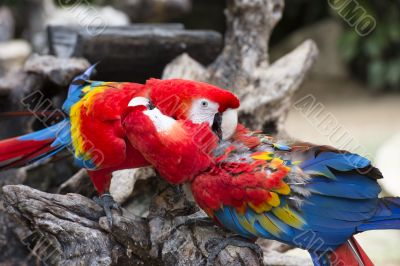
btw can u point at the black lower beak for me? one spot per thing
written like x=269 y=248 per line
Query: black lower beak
x=216 y=126
x=151 y=106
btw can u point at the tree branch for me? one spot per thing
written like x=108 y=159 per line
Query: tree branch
x=76 y=232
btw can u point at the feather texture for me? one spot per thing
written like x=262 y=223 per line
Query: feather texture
x=327 y=194
x=33 y=147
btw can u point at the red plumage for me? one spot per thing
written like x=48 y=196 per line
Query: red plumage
x=178 y=147
x=216 y=188
x=15 y=152
x=103 y=121
x=350 y=256
x=173 y=97
x=99 y=139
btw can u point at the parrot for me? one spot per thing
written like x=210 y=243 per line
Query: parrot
x=313 y=197
x=93 y=125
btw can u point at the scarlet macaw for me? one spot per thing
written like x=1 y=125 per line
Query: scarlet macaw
x=312 y=197
x=93 y=128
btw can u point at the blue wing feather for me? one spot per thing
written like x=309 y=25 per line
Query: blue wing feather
x=387 y=216
x=346 y=186
x=325 y=161
x=338 y=214
x=339 y=203
x=325 y=203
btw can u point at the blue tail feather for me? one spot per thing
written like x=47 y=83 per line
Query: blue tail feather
x=60 y=133
x=34 y=147
x=387 y=216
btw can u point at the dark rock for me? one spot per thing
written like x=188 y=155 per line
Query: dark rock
x=136 y=52
x=60 y=71
x=159 y=10
x=18 y=84
x=63 y=40
x=79 y=183
x=49 y=176
x=12 y=177
x=44 y=78
x=13 y=88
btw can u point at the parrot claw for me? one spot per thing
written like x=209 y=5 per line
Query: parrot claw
x=215 y=245
x=107 y=202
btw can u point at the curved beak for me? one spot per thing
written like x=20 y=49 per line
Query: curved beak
x=225 y=124
x=229 y=123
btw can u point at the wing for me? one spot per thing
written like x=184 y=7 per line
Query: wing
x=246 y=192
x=328 y=193
x=98 y=138
x=252 y=204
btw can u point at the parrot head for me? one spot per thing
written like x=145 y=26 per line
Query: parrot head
x=198 y=102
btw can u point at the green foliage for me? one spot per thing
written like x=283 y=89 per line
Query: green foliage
x=376 y=57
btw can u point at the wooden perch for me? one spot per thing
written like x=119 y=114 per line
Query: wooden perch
x=78 y=234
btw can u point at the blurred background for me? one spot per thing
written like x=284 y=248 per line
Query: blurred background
x=356 y=78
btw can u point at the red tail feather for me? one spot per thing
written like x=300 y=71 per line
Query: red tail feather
x=16 y=153
x=350 y=254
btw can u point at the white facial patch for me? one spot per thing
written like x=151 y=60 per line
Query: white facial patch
x=162 y=122
x=203 y=110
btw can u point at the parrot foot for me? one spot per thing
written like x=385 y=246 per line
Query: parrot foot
x=216 y=245
x=107 y=202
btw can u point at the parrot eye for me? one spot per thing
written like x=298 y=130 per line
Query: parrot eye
x=204 y=104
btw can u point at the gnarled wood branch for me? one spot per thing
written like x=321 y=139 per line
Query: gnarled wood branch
x=76 y=233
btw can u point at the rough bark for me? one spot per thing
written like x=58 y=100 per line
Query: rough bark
x=74 y=232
